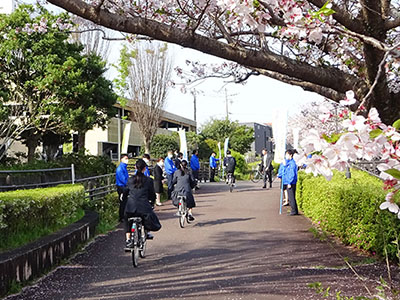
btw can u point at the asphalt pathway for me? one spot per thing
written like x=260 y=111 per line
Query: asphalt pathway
x=239 y=247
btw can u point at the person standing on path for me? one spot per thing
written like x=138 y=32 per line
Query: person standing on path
x=266 y=165
x=178 y=159
x=146 y=158
x=158 y=180
x=213 y=166
x=121 y=180
x=195 y=166
x=289 y=177
x=170 y=170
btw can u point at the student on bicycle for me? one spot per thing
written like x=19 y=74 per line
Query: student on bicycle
x=185 y=182
x=230 y=164
x=141 y=191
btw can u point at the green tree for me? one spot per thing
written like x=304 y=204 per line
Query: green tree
x=56 y=87
x=162 y=143
x=240 y=136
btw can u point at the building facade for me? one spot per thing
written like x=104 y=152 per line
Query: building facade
x=125 y=133
x=262 y=137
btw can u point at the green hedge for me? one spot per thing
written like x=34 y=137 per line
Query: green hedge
x=25 y=215
x=349 y=208
x=108 y=210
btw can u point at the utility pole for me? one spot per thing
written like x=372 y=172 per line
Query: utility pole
x=194 y=103
x=226 y=105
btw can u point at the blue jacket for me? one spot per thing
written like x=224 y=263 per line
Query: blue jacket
x=213 y=162
x=121 y=175
x=169 y=166
x=194 y=163
x=289 y=172
x=146 y=172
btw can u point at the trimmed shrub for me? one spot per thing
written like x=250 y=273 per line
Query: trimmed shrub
x=108 y=210
x=162 y=143
x=349 y=208
x=26 y=215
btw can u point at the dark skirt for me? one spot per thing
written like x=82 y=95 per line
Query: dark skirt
x=189 y=199
x=158 y=187
x=150 y=221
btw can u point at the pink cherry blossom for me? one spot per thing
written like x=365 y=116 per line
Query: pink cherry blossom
x=349 y=100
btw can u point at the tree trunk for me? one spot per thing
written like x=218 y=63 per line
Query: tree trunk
x=81 y=140
x=32 y=143
x=147 y=146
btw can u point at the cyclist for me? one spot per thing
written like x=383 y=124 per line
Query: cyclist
x=141 y=191
x=185 y=182
x=230 y=164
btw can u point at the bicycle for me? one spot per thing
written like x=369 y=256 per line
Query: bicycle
x=183 y=211
x=257 y=175
x=229 y=179
x=139 y=239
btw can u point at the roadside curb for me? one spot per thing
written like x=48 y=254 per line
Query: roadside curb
x=32 y=260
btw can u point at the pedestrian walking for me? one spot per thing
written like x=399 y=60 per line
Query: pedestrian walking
x=266 y=166
x=169 y=170
x=158 y=180
x=121 y=179
x=213 y=166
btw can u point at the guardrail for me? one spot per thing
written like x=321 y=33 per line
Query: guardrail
x=96 y=187
x=37 y=178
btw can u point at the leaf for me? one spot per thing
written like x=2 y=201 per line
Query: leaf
x=394 y=173
x=396 y=124
x=375 y=133
x=333 y=138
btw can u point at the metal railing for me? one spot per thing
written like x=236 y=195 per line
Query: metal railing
x=97 y=187
x=12 y=179
x=371 y=167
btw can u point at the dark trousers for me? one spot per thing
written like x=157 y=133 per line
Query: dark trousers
x=195 y=174
x=123 y=198
x=212 y=174
x=170 y=177
x=292 y=199
x=268 y=175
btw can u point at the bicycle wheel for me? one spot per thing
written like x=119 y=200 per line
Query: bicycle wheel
x=143 y=246
x=231 y=187
x=255 y=176
x=135 y=250
x=182 y=211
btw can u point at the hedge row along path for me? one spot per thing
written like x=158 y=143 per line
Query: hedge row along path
x=239 y=247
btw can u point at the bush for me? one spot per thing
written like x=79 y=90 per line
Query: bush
x=85 y=165
x=206 y=147
x=241 y=169
x=26 y=215
x=349 y=208
x=107 y=208
x=162 y=143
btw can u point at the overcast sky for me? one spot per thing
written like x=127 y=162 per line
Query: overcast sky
x=256 y=101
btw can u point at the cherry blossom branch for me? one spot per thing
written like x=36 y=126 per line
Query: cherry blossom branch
x=378 y=75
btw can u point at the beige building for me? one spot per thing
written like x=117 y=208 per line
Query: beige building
x=105 y=142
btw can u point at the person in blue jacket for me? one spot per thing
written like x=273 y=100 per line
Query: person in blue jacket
x=170 y=169
x=121 y=179
x=195 y=166
x=289 y=178
x=146 y=158
x=213 y=166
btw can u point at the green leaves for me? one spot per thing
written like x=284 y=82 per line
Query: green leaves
x=393 y=172
x=325 y=10
x=396 y=124
x=333 y=138
x=375 y=133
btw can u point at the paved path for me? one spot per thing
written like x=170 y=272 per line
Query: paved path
x=239 y=247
